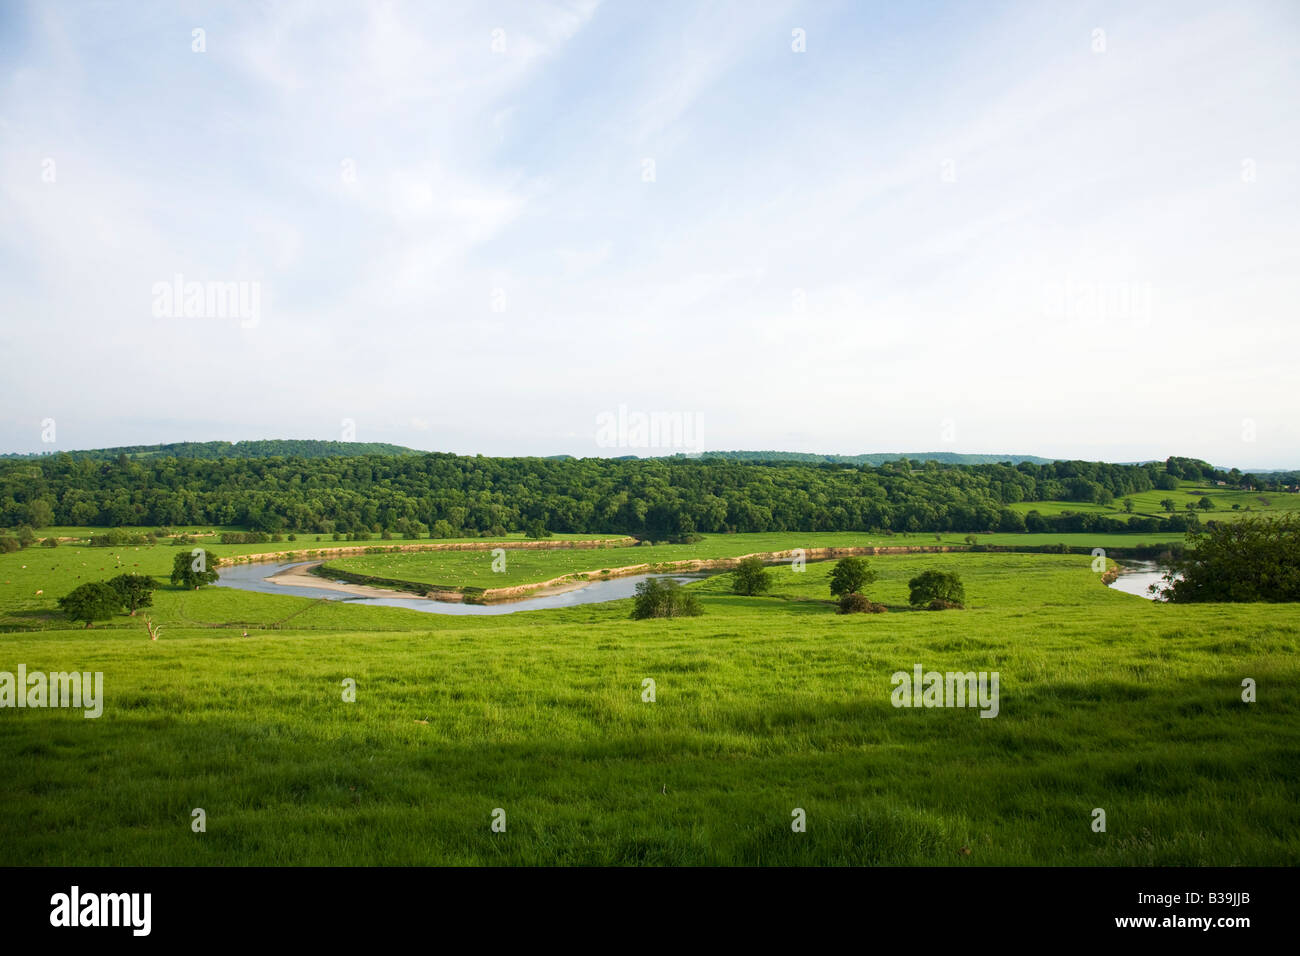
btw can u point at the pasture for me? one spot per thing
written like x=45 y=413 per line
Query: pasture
x=762 y=705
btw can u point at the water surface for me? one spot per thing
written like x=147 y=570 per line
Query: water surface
x=252 y=577
x=1136 y=576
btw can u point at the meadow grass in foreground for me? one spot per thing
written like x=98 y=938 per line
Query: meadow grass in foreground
x=762 y=705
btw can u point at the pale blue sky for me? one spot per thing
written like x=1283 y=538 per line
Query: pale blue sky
x=979 y=227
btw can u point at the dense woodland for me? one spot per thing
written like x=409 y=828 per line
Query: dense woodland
x=444 y=495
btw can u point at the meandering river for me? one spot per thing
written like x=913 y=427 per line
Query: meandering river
x=254 y=577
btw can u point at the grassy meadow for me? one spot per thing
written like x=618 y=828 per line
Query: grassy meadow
x=763 y=705
x=1229 y=503
x=475 y=568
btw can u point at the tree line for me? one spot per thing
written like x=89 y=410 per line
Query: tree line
x=444 y=495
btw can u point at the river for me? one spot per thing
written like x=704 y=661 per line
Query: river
x=1136 y=576
x=253 y=577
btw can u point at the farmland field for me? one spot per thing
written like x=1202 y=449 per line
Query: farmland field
x=1229 y=503
x=763 y=705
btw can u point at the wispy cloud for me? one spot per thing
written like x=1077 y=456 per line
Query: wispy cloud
x=932 y=213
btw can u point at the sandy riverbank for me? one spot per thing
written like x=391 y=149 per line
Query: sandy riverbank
x=302 y=576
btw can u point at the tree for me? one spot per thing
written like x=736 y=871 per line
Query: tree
x=134 y=590
x=194 y=569
x=92 y=601
x=1169 y=504
x=1250 y=559
x=1128 y=505
x=750 y=577
x=534 y=528
x=850 y=576
x=1205 y=504
x=39 y=513
x=942 y=588
x=664 y=597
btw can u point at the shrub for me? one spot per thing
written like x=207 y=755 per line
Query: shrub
x=939 y=604
x=855 y=603
x=750 y=577
x=664 y=597
x=1251 y=559
x=936 y=587
x=245 y=537
x=50 y=543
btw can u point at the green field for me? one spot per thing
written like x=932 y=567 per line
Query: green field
x=458 y=569
x=1147 y=503
x=763 y=705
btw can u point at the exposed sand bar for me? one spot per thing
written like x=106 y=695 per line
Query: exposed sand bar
x=300 y=576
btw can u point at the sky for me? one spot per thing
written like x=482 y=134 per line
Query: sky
x=625 y=228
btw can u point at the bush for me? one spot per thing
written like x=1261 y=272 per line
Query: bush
x=664 y=597
x=939 y=604
x=50 y=543
x=750 y=577
x=8 y=544
x=244 y=537
x=855 y=603
x=1251 y=559
x=851 y=575
x=937 y=587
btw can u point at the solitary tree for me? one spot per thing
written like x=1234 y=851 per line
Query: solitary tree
x=750 y=577
x=851 y=575
x=1128 y=505
x=941 y=588
x=134 y=590
x=1205 y=504
x=92 y=601
x=1168 y=504
x=192 y=570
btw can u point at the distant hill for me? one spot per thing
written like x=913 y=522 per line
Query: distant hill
x=270 y=448
x=879 y=458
